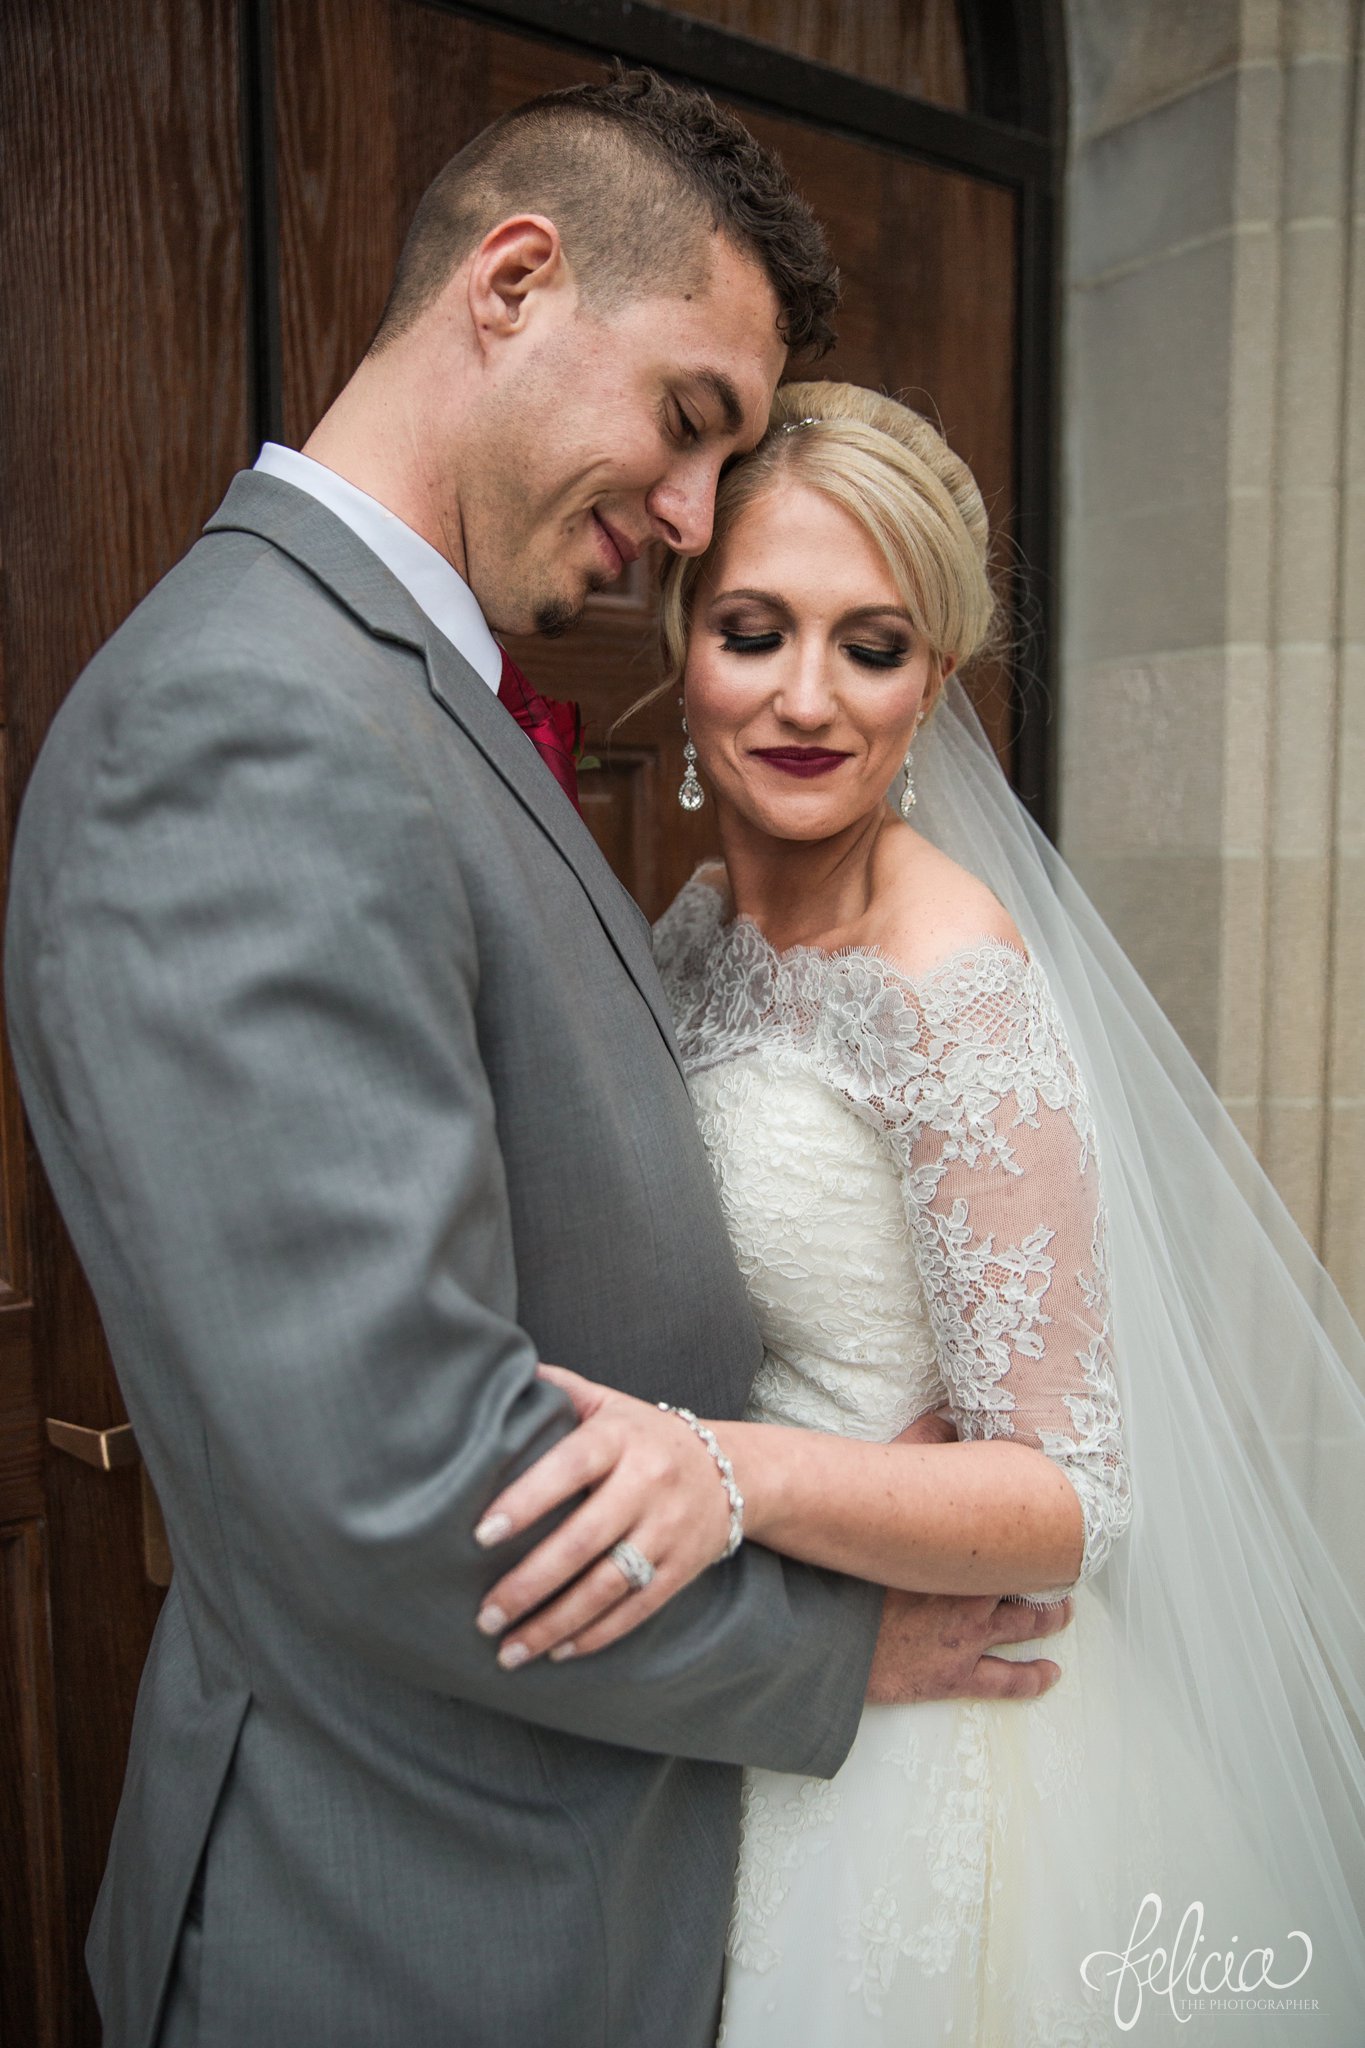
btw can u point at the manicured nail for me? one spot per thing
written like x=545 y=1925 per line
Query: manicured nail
x=492 y=1620
x=492 y=1529
x=512 y=1654
x=561 y=1651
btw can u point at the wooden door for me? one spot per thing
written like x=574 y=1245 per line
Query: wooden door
x=148 y=309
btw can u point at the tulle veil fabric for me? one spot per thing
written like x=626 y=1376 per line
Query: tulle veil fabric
x=1239 y=1592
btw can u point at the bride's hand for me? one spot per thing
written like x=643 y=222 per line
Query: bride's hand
x=649 y=1482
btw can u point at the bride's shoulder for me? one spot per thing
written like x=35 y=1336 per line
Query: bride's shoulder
x=691 y=918
x=927 y=910
x=710 y=875
x=705 y=896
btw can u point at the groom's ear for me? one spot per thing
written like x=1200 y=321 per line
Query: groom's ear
x=516 y=265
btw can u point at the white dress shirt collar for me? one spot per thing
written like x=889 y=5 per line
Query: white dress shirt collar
x=429 y=579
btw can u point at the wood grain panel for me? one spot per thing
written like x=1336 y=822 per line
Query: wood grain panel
x=337 y=223
x=372 y=97
x=912 y=46
x=951 y=352
x=121 y=361
x=21 y=1422
x=32 y=1999
x=14 y=1264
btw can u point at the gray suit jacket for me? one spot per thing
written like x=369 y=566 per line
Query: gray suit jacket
x=345 y=1055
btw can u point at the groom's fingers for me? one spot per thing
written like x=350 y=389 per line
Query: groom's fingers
x=997 y=1678
x=1019 y=1621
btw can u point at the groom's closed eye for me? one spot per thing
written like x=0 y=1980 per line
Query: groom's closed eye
x=718 y=387
x=683 y=428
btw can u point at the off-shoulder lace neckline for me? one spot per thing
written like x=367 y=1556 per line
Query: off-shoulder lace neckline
x=730 y=924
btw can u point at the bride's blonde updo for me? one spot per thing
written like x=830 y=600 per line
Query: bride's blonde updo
x=892 y=471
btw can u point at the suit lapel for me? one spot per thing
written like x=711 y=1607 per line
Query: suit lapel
x=510 y=754
x=326 y=547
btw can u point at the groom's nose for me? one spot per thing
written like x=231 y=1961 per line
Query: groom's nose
x=682 y=508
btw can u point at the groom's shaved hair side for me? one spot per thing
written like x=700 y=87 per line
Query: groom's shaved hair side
x=636 y=174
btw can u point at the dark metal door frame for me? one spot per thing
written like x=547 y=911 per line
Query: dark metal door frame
x=1014 y=137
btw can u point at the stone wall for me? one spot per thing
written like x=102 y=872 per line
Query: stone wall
x=1212 y=711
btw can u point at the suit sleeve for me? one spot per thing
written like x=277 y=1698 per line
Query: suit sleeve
x=253 y=1012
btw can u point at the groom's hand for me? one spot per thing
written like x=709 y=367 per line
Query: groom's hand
x=936 y=1646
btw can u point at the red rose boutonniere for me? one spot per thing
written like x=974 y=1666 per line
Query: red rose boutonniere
x=570 y=731
x=553 y=726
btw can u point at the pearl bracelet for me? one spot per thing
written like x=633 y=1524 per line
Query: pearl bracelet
x=727 y=1475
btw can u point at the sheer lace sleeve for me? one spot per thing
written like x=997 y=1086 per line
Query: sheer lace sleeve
x=974 y=1084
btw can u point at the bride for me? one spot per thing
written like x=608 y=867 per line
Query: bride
x=1020 y=1286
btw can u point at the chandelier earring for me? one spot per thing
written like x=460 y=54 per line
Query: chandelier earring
x=908 y=787
x=907 y=802
x=691 y=795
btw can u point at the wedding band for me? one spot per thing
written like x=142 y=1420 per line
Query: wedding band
x=632 y=1564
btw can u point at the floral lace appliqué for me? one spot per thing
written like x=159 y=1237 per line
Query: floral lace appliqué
x=784 y=1823
x=965 y=1077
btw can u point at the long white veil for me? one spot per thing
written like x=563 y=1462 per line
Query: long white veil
x=1239 y=1592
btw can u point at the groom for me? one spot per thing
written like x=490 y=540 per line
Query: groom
x=346 y=1058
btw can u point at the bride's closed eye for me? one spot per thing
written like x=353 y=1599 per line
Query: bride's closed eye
x=765 y=639
x=877 y=657
x=749 y=643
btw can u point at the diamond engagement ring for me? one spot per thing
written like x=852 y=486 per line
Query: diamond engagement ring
x=632 y=1564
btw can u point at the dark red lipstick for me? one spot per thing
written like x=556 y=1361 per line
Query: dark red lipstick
x=800 y=760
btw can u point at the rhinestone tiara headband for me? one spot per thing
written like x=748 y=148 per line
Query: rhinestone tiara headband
x=811 y=420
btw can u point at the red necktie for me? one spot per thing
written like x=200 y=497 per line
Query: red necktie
x=552 y=728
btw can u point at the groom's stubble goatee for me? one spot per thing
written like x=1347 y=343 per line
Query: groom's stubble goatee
x=555 y=615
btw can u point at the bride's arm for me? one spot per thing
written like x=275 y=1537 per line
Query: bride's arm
x=950 y=1518
x=975 y=1091
x=992 y=1521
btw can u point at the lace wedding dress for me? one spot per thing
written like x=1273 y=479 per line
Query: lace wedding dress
x=909 y=1175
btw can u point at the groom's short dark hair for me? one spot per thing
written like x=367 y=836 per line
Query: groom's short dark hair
x=634 y=173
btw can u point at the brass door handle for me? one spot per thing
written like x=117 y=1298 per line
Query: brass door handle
x=107 y=1450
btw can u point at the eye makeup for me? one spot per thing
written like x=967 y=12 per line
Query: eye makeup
x=745 y=635
x=735 y=642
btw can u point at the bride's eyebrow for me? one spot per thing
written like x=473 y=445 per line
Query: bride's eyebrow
x=766 y=598
x=878 y=611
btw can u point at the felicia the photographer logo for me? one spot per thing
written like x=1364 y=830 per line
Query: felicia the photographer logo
x=1216 y=1980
